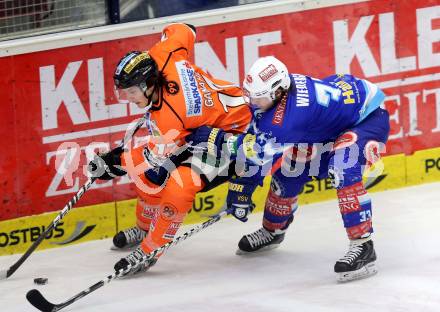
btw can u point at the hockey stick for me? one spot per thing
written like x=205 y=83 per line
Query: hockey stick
x=37 y=300
x=6 y=273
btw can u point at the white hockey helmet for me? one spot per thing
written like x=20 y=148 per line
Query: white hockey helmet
x=265 y=76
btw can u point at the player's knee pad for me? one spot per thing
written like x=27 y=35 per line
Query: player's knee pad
x=355 y=207
x=279 y=209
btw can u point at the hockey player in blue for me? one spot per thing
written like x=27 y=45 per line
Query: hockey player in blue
x=305 y=128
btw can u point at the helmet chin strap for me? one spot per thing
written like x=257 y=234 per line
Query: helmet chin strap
x=149 y=97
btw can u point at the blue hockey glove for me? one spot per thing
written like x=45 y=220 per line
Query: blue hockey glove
x=239 y=199
x=211 y=140
x=159 y=174
x=106 y=166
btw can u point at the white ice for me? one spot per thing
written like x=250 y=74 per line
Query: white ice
x=204 y=274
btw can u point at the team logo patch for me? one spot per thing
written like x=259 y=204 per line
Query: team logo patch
x=268 y=72
x=249 y=78
x=168 y=212
x=172 y=87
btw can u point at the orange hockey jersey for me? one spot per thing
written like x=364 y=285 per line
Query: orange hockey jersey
x=191 y=98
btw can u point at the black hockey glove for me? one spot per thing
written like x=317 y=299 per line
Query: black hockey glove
x=107 y=166
x=239 y=200
x=131 y=264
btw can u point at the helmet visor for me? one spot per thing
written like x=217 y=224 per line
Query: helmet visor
x=261 y=101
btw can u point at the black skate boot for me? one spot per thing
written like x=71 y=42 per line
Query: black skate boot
x=129 y=238
x=359 y=261
x=259 y=240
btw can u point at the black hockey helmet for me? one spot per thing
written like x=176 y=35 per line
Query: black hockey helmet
x=136 y=68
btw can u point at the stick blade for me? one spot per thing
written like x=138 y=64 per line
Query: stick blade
x=37 y=300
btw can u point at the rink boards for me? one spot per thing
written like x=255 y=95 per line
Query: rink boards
x=103 y=220
x=58 y=89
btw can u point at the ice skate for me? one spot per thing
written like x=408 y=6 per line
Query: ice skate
x=128 y=238
x=132 y=264
x=359 y=261
x=259 y=240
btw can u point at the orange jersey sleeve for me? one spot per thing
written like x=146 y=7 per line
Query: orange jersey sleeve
x=177 y=39
x=190 y=97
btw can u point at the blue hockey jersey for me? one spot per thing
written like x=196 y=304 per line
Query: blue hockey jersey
x=316 y=111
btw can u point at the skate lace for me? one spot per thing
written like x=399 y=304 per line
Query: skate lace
x=354 y=251
x=259 y=237
x=134 y=235
x=136 y=258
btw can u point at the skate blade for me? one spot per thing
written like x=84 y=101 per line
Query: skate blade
x=266 y=248
x=125 y=249
x=364 y=272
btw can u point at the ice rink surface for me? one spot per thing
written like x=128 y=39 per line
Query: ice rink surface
x=204 y=274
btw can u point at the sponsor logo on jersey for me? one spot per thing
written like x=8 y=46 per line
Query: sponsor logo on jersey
x=279 y=206
x=148 y=211
x=236 y=187
x=193 y=99
x=278 y=116
x=302 y=93
x=172 y=230
x=348 y=204
x=347 y=91
x=267 y=73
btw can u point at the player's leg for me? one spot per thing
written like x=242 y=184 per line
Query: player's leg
x=281 y=204
x=146 y=205
x=176 y=199
x=133 y=236
x=352 y=151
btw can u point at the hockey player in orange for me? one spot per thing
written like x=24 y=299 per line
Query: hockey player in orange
x=177 y=97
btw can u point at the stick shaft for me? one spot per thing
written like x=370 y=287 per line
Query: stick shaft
x=38 y=299
x=129 y=134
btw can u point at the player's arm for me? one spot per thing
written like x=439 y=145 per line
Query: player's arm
x=356 y=91
x=178 y=36
x=258 y=149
